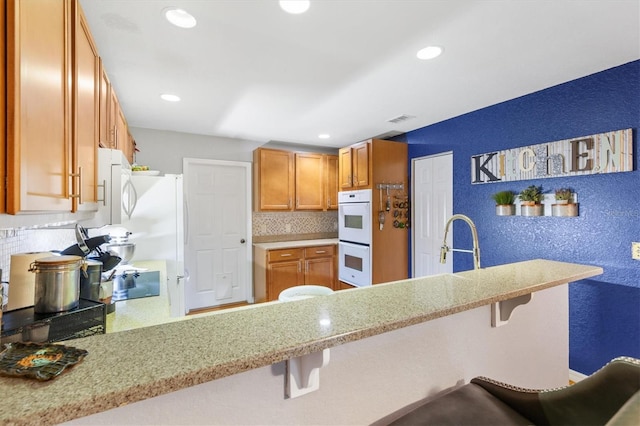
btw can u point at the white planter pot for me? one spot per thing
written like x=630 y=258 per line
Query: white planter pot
x=506 y=210
x=534 y=210
x=564 y=210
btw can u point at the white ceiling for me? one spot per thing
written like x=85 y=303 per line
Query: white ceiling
x=248 y=70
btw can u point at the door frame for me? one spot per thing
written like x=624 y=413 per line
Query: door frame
x=249 y=223
x=414 y=214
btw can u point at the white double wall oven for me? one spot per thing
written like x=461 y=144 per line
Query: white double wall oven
x=354 y=234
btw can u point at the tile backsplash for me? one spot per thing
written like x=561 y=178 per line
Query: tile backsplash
x=294 y=223
x=29 y=240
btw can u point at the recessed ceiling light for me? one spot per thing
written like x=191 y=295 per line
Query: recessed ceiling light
x=429 y=52
x=324 y=136
x=295 y=6
x=179 y=18
x=170 y=98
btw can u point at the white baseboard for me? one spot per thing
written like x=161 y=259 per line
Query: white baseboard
x=575 y=376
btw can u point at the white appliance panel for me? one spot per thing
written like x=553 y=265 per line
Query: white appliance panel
x=157 y=229
x=354 y=216
x=354 y=264
x=114 y=192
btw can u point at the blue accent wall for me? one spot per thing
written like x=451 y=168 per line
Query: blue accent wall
x=604 y=311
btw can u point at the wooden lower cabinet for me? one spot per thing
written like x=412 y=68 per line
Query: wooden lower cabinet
x=344 y=286
x=279 y=269
x=320 y=266
x=282 y=275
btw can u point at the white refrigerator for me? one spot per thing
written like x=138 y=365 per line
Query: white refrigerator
x=157 y=228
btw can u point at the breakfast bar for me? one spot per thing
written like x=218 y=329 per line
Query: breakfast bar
x=391 y=344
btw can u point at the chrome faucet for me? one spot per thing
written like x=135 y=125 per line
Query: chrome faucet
x=476 y=249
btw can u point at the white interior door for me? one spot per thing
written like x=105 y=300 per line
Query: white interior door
x=432 y=207
x=218 y=253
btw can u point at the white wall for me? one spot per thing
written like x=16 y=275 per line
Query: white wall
x=164 y=150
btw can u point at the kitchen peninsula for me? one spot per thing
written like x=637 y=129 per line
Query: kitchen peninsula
x=391 y=344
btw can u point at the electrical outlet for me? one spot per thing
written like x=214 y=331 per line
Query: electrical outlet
x=263 y=228
x=635 y=251
x=287 y=228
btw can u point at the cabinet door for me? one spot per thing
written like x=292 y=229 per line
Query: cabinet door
x=3 y=141
x=345 y=169
x=309 y=170
x=320 y=271
x=86 y=113
x=282 y=275
x=344 y=286
x=122 y=132
x=275 y=179
x=320 y=266
x=360 y=164
x=39 y=109
x=113 y=111
x=106 y=129
x=331 y=182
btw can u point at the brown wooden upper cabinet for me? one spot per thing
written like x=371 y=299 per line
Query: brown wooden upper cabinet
x=273 y=179
x=309 y=170
x=86 y=118
x=114 y=130
x=3 y=117
x=106 y=131
x=331 y=182
x=39 y=132
x=354 y=166
x=53 y=125
x=287 y=181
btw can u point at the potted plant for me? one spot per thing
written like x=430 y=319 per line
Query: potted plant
x=564 y=205
x=531 y=198
x=563 y=196
x=505 y=203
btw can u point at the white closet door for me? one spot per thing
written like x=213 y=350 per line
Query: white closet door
x=432 y=207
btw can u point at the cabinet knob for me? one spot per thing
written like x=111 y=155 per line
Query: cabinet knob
x=242 y=241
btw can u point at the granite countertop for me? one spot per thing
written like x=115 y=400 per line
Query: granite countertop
x=135 y=313
x=296 y=244
x=133 y=365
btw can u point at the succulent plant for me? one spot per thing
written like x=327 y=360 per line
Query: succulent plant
x=532 y=194
x=564 y=194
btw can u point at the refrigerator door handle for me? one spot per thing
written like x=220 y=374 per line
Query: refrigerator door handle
x=129 y=193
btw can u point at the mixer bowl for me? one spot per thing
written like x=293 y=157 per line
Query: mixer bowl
x=123 y=250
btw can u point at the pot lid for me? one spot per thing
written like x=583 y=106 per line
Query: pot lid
x=58 y=260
